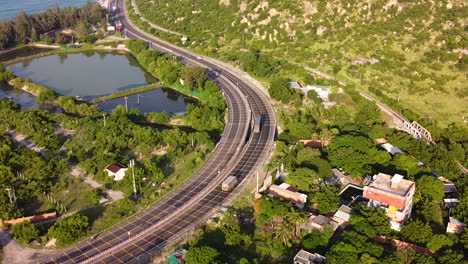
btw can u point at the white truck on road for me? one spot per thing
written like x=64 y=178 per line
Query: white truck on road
x=229 y=183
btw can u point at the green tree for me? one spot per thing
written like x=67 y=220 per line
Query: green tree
x=125 y=207
x=159 y=118
x=327 y=199
x=284 y=232
x=22 y=27
x=371 y=222
x=25 y=232
x=232 y=232
x=439 y=241
x=451 y=257
x=356 y=154
x=407 y=164
x=280 y=90
x=368 y=115
x=136 y=46
x=416 y=232
x=303 y=178
x=317 y=241
x=202 y=255
x=6 y=33
x=92 y=196
x=82 y=29
x=195 y=78
x=429 y=188
x=69 y=229
x=46 y=95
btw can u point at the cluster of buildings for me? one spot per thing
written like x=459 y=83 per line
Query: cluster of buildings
x=451 y=202
x=392 y=193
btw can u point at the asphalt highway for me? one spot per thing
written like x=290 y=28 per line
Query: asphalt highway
x=239 y=152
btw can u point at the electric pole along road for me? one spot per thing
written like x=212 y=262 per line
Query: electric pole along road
x=240 y=152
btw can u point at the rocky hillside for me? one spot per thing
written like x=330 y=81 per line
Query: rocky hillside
x=410 y=50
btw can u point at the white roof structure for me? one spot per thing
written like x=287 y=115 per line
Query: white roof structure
x=295 y=85
x=343 y=213
x=305 y=257
x=391 y=149
x=322 y=91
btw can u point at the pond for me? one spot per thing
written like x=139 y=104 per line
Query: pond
x=148 y=101
x=27 y=101
x=91 y=75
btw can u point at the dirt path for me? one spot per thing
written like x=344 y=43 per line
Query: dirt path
x=78 y=172
x=15 y=253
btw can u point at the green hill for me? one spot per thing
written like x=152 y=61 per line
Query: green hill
x=413 y=51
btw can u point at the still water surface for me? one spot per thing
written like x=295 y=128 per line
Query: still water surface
x=9 y=8
x=88 y=75
x=95 y=74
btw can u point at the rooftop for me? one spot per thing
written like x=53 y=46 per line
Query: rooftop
x=394 y=185
x=320 y=222
x=287 y=192
x=295 y=85
x=305 y=257
x=115 y=167
x=344 y=212
x=391 y=149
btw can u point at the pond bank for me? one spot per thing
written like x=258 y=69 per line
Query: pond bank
x=128 y=92
x=58 y=50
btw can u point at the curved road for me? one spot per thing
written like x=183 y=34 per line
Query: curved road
x=239 y=153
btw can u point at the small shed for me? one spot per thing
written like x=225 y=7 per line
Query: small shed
x=177 y=257
x=116 y=170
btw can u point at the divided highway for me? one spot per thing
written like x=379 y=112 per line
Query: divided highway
x=239 y=152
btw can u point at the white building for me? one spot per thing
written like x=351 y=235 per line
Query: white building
x=391 y=149
x=305 y=257
x=116 y=170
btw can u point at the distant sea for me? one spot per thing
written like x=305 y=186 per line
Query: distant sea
x=9 y=8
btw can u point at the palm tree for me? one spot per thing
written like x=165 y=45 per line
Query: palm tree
x=284 y=232
x=295 y=220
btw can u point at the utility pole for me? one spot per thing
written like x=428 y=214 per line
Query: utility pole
x=132 y=164
x=104 y=117
x=12 y=197
x=257 y=181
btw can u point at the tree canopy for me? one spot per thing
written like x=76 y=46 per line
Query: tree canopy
x=202 y=255
x=68 y=229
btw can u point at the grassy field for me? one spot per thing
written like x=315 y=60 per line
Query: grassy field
x=417 y=44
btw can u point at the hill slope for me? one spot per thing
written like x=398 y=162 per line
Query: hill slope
x=409 y=50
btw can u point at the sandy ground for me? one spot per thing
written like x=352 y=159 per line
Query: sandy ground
x=14 y=253
x=21 y=139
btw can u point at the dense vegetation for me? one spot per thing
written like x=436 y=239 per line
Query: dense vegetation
x=418 y=46
x=269 y=231
x=209 y=116
x=24 y=28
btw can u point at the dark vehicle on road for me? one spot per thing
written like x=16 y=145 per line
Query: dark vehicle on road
x=258 y=124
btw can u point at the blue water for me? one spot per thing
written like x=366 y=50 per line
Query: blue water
x=9 y=8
